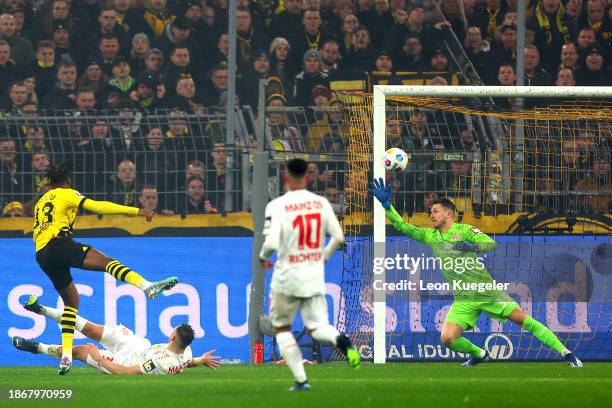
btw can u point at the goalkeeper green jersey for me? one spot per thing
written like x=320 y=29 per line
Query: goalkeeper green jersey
x=464 y=271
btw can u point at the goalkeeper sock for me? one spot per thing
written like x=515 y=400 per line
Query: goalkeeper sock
x=326 y=334
x=56 y=315
x=52 y=350
x=124 y=274
x=68 y=321
x=292 y=354
x=463 y=345
x=545 y=335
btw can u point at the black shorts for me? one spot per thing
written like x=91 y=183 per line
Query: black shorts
x=58 y=256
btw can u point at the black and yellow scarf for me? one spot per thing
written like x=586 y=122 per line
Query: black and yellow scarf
x=544 y=23
x=245 y=44
x=492 y=23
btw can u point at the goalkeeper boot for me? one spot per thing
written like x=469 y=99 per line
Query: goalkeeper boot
x=65 y=365
x=572 y=360
x=32 y=305
x=472 y=361
x=343 y=342
x=158 y=287
x=304 y=386
x=25 y=345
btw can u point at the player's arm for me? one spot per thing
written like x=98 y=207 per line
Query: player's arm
x=108 y=208
x=112 y=367
x=334 y=230
x=475 y=240
x=207 y=359
x=383 y=194
x=271 y=233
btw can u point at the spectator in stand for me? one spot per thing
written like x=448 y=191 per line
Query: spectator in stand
x=154 y=62
x=85 y=101
x=94 y=78
x=488 y=17
x=8 y=71
x=310 y=37
x=592 y=71
x=318 y=180
x=17 y=97
x=13 y=209
x=330 y=58
x=248 y=83
x=410 y=58
x=178 y=67
x=63 y=42
x=503 y=51
x=330 y=134
x=586 y=37
x=123 y=186
x=553 y=28
x=597 y=187
x=362 y=54
x=195 y=201
x=281 y=63
x=44 y=67
x=107 y=25
x=130 y=15
x=604 y=34
x=108 y=52
x=22 y=52
x=215 y=89
x=250 y=37
x=178 y=33
x=477 y=50
x=145 y=91
x=366 y=13
x=452 y=13
x=412 y=22
x=535 y=75
x=202 y=33
x=573 y=8
x=594 y=16
x=287 y=20
x=158 y=16
x=319 y=97
x=215 y=177
x=36 y=178
x=10 y=180
x=157 y=164
x=185 y=98
x=122 y=82
x=34 y=139
x=349 y=25
x=220 y=54
x=141 y=45
x=506 y=77
x=565 y=77
x=569 y=57
x=149 y=198
x=439 y=60
x=310 y=77
x=285 y=137
x=383 y=62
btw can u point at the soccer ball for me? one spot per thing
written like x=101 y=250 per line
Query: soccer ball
x=395 y=160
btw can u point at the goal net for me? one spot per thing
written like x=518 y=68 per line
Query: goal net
x=533 y=173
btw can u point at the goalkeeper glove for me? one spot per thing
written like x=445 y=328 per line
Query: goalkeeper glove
x=466 y=247
x=382 y=194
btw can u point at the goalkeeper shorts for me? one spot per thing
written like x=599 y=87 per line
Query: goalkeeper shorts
x=466 y=314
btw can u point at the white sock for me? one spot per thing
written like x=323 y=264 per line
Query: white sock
x=56 y=315
x=145 y=285
x=52 y=350
x=565 y=352
x=292 y=354
x=325 y=333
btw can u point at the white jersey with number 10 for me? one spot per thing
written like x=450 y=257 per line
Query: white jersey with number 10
x=296 y=226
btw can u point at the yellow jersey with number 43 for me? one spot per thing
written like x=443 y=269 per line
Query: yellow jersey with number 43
x=54 y=214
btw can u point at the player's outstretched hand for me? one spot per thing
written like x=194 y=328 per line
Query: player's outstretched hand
x=207 y=359
x=147 y=213
x=465 y=246
x=382 y=194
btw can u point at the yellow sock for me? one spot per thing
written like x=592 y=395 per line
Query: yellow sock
x=124 y=274
x=68 y=322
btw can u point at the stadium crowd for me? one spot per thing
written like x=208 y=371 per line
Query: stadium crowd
x=85 y=61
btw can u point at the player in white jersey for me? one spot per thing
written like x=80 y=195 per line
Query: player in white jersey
x=124 y=352
x=296 y=226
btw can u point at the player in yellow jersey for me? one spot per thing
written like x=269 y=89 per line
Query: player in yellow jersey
x=57 y=252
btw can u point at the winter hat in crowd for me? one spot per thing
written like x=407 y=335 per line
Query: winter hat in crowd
x=320 y=90
x=278 y=41
x=141 y=36
x=312 y=54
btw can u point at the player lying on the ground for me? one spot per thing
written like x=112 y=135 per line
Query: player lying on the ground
x=296 y=226
x=125 y=352
x=450 y=240
x=57 y=252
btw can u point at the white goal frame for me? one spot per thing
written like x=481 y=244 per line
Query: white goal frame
x=378 y=142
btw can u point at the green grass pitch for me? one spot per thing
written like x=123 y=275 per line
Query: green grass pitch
x=392 y=385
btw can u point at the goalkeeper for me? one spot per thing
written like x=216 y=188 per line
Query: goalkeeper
x=448 y=239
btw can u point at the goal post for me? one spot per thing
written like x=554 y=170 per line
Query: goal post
x=381 y=95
